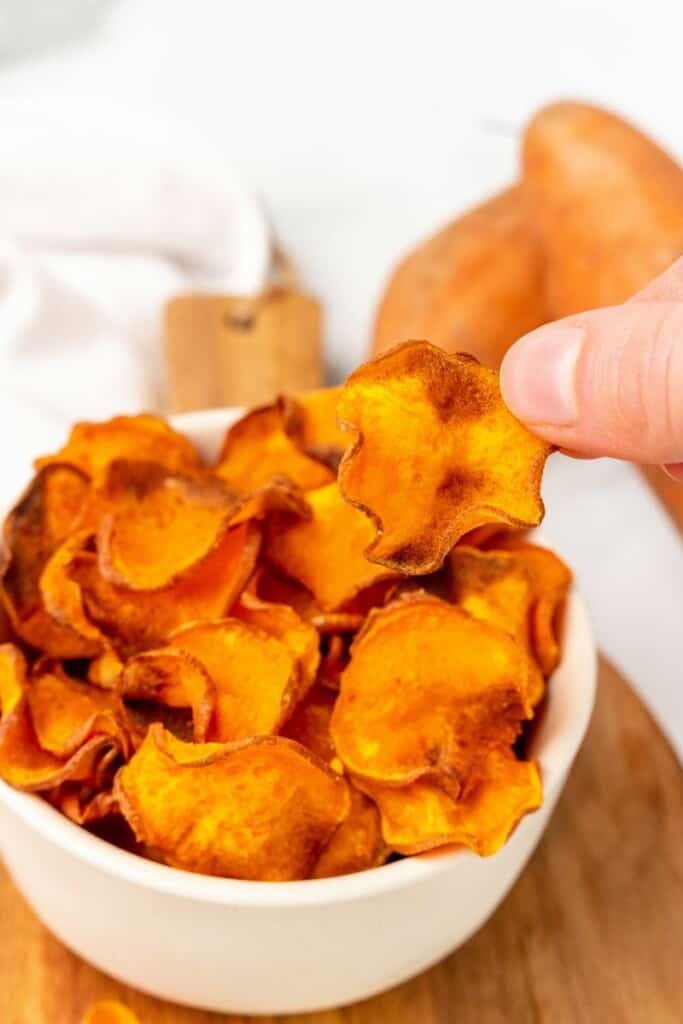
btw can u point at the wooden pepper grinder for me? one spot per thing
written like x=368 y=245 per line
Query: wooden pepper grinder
x=243 y=350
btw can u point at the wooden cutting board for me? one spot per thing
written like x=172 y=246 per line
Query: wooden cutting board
x=592 y=932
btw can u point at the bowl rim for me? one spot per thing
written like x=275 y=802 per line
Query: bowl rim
x=555 y=758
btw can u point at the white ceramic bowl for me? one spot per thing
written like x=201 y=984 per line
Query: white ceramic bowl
x=265 y=948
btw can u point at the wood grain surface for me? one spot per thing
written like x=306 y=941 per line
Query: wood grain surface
x=592 y=932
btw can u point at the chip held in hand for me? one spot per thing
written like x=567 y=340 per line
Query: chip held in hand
x=437 y=455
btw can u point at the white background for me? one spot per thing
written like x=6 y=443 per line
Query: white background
x=365 y=125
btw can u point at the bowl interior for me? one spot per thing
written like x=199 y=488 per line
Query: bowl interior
x=554 y=744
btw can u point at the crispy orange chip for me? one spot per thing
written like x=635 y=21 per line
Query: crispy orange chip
x=40 y=521
x=62 y=597
x=93 y=446
x=550 y=580
x=284 y=623
x=23 y=762
x=495 y=586
x=175 y=679
x=255 y=676
x=258 y=448
x=357 y=844
x=310 y=419
x=422 y=816
x=158 y=527
x=135 y=621
x=197 y=805
x=109 y=1012
x=428 y=691
x=438 y=454
x=326 y=552
x=67 y=712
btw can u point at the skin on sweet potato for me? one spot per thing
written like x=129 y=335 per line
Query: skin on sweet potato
x=606 y=201
x=475 y=286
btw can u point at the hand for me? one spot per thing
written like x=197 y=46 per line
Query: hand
x=607 y=382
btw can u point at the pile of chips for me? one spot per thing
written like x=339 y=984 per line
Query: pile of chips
x=322 y=651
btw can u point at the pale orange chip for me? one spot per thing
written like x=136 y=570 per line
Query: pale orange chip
x=40 y=521
x=284 y=623
x=258 y=448
x=135 y=621
x=263 y=809
x=255 y=676
x=158 y=527
x=105 y=670
x=310 y=419
x=357 y=844
x=175 y=679
x=310 y=723
x=438 y=454
x=326 y=552
x=550 y=580
x=23 y=762
x=109 y=1012
x=427 y=692
x=66 y=712
x=422 y=816
x=494 y=586
x=93 y=446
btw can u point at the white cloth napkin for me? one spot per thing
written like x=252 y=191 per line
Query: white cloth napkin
x=105 y=212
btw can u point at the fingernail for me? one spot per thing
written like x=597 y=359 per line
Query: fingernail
x=675 y=471
x=538 y=375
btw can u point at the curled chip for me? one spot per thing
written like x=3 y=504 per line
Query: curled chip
x=428 y=692
x=93 y=446
x=66 y=712
x=83 y=806
x=62 y=597
x=175 y=679
x=550 y=581
x=135 y=621
x=23 y=762
x=255 y=676
x=41 y=520
x=310 y=420
x=258 y=448
x=423 y=816
x=438 y=454
x=109 y=1012
x=284 y=623
x=494 y=586
x=357 y=844
x=326 y=552
x=197 y=804
x=158 y=527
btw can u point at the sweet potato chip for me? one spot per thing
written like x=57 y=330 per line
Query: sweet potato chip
x=40 y=521
x=105 y=670
x=438 y=454
x=258 y=448
x=66 y=712
x=93 y=446
x=550 y=580
x=310 y=723
x=135 y=621
x=326 y=552
x=310 y=420
x=109 y=1012
x=421 y=816
x=255 y=675
x=157 y=527
x=173 y=678
x=82 y=805
x=428 y=691
x=495 y=586
x=284 y=623
x=263 y=809
x=23 y=762
x=62 y=598
x=357 y=844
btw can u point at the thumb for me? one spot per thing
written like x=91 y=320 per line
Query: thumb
x=607 y=382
